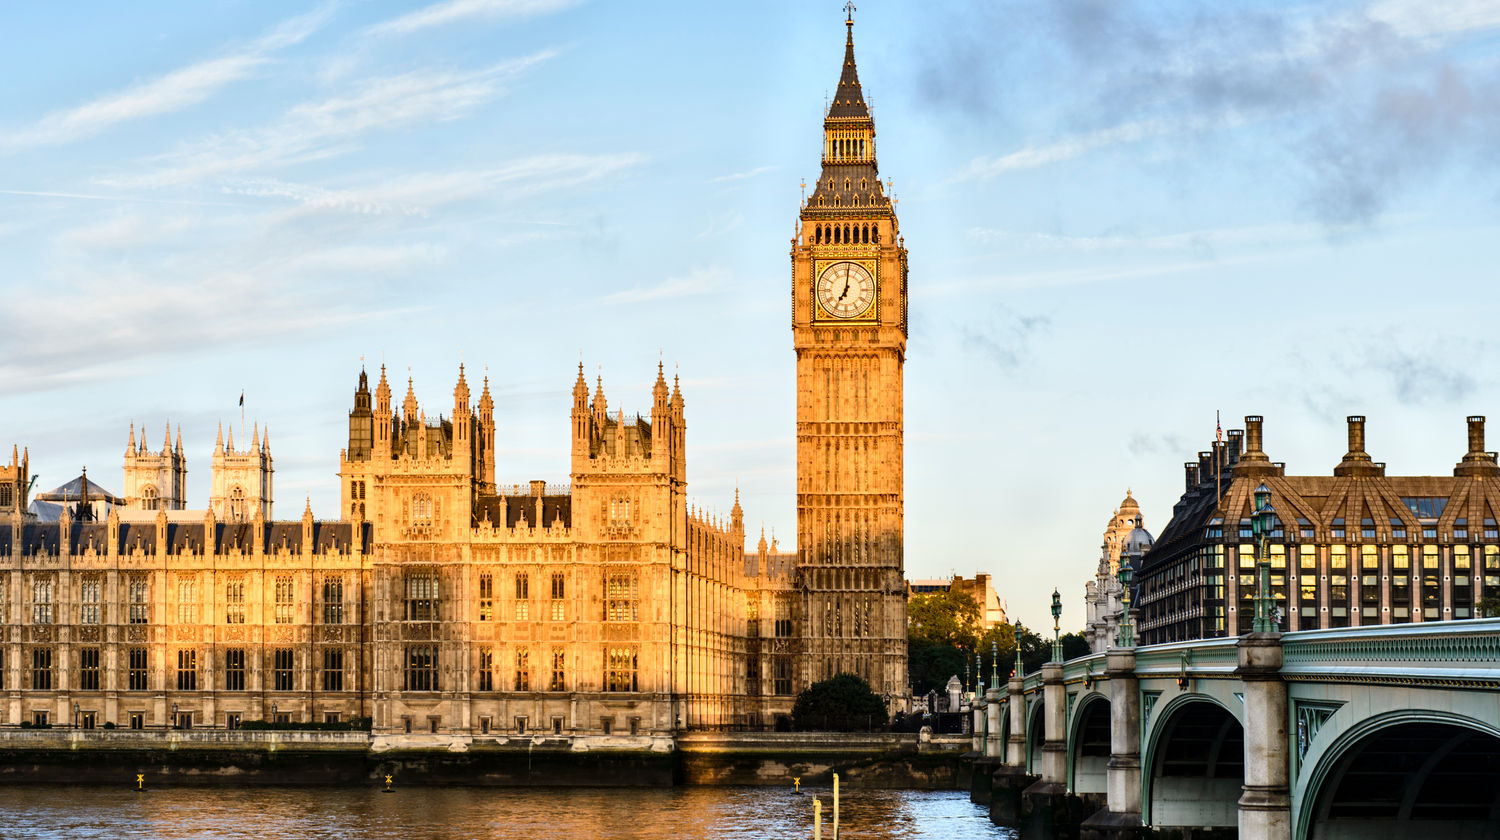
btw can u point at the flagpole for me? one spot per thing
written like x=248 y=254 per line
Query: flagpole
x=242 y=418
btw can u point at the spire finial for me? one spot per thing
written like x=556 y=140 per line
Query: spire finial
x=849 y=10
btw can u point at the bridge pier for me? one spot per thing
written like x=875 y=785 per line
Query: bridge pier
x=1010 y=779
x=1048 y=810
x=1266 y=803
x=982 y=785
x=1121 y=818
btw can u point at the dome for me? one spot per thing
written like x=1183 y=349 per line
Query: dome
x=1129 y=503
x=1139 y=540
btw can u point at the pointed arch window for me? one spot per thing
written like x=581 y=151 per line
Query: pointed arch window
x=237 y=502
x=149 y=498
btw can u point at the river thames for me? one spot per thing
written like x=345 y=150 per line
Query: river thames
x=287 y=813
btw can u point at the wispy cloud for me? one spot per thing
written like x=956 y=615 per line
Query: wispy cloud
x=174 y=91
x=442 y=14
x=1005 y=337
x=1204 y=244
x=699 y=281
x=1077 y=145
x=319 y=130
x=740 y=176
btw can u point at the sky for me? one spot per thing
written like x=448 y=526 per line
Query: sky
x=1122 y=216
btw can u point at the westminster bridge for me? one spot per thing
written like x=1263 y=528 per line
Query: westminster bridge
x=1375 y=733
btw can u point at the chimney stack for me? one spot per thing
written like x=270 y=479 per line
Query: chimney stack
x=1357 y=461
x=1253 y=462
x=1477 y=462
x=1190 y=468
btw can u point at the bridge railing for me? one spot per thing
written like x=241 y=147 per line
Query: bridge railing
x=1462 y=652
x=1466 y=651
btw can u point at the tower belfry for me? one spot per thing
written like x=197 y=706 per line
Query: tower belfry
x=849 y=329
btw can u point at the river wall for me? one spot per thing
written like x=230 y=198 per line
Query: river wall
x=208 y=757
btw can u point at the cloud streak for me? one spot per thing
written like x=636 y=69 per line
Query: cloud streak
x=174 y=91
x=327 y=128
x=452 y=11
x=699 y=281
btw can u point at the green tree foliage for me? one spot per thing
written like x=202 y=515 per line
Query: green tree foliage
x=1488 y=607
x=950 y=619
x=842 y=703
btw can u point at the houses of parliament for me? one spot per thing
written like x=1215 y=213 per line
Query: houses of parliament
x=444 y=604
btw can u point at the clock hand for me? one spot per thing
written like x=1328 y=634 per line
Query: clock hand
x=846 y=289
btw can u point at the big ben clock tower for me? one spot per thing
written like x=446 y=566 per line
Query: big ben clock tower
x=849 y=331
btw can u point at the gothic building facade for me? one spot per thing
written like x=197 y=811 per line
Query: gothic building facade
x=849 y=328
x=441 y=604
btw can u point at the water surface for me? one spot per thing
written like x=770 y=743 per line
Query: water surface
x=287 y=813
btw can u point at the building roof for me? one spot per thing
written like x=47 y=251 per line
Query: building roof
x=46 y=537
x=73 y=491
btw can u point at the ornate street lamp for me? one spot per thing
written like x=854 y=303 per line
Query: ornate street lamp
x=1261 y=523
x=995 y=661
x=1020 y=668
x=978 y=673
x=1056 y=626
x=1126 y=636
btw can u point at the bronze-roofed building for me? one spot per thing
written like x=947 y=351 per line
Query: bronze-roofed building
x=1354 y=548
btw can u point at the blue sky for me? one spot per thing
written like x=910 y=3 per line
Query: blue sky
x=1122 y=217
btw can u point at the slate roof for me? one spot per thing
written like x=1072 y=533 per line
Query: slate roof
x=521 y=510
x=45 y=537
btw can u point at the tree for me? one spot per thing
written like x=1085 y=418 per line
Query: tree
x=943 y=618
x=842 y=703
x=1488 y=607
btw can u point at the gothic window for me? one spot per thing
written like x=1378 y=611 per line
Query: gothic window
x=559 y=672
x=88 y=596
x=421 y=509
x=421 y=668
x=149 y=498
x=234 y=601
x=137 y=674
x=619 y=512
x=333 y=600
x=333 y=669
x=282 y=661
x=284 y=599
x=41 y=669
x=620 y=670
x=421 y=596
x=187 y=670
x=41 y=600
x=559 y=590
x=88 y=669
x=486 y=669
x=781 y=675
x=237 y=503
x=783 y=618
x=486 y=596
x=234 y=669
x=7 y=495
x=847 y=185
x=4 y=595
x=620 y=593
x=523 y=596
x=523 y=669
x=140 y=606
x=864 y=183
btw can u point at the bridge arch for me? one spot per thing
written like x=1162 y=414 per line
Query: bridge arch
x=1088 y=745
x=1194 y=764
x=1405 y=775
x=1035 y=734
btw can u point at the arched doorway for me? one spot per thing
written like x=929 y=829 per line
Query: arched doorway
x=1197 y=767
x=1417 y=780
x=1090 y=747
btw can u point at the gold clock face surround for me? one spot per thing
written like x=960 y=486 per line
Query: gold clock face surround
x=845 y=289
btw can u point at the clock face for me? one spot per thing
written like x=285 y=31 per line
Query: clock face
x=846 y=289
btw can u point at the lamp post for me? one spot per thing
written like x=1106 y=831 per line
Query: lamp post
x=1126 y=636
x=978 y=673
x=995 y=661
x=174 y=715
x=1020 y=668
x=1056 y=626
x=1260 y=524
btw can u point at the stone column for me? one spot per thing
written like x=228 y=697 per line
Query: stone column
x=1016 y=747
x=1054 y=716
x=1124 y=733
x=1265 y=805
x=978 y=724
x=992 y=740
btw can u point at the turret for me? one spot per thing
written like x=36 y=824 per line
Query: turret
x=661 y=419
x=679 y=432
x=601 y=407
x=580 y=418
x=486 y=437
x=219 y=440
x=361 y=422
x=737 y=518
x=463 y=421
x=409 y=408
x=383 y=421
x=130 y=445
